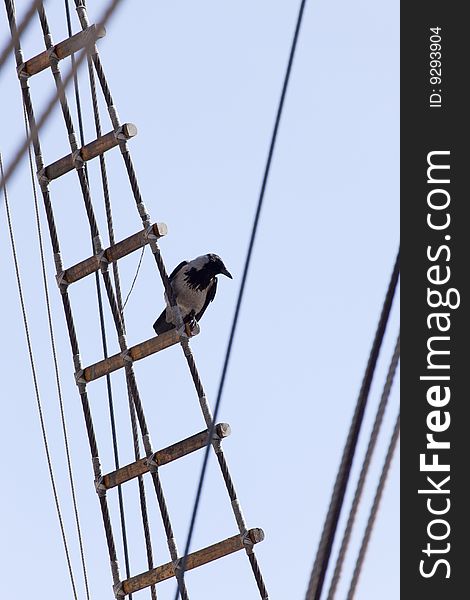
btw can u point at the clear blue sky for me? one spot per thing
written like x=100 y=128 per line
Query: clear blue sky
x=201 y=81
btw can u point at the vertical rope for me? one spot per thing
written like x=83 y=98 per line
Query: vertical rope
x=56 y=365
x=36 y=388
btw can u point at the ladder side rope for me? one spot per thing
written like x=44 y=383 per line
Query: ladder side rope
x=33 y=135
x=5 y=53
x=364 y=469
x=50 y=105
x=325 y=545
x=81 y=10
x=36 y=388
x=374 y=510
x=56 y=365
x=112 y=300
x=102 y=324
x=117 y=286
x=249 y=253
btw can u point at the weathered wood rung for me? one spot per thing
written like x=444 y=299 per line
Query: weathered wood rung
x=164 y=456
x=194 y=560
x=88 y=152
x=113 y=253
x=80 y=40
x=142 y=350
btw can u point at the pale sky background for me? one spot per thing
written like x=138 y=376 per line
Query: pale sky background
x=202 y=81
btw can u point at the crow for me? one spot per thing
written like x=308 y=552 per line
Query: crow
x=194 y=284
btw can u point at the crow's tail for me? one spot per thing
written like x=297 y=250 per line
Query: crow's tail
x=161 y=324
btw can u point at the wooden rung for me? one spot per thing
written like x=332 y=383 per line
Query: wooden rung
x=90 y=151
x=113 y=253
x=80 y=40
x=163 y=457
x=142 y=350
x=194 y=560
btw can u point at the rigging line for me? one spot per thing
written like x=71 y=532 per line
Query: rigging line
x=36 y=387
x=22 y=148
x=244 y=279
x=365 y=467
x=101 y=317
x=325 y=545
x=56 y=364
x=135 y=278
x=21 y=28
x=374 y=510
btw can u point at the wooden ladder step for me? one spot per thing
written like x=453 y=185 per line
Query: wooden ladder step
x=80 y=40
x=164 y=456
x=88 y=152
x=113 y=253
x=194 y=560
x=118 y=361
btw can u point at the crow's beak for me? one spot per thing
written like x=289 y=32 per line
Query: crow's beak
x=226 y=273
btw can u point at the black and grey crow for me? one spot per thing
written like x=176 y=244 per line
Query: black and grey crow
x=194 y=284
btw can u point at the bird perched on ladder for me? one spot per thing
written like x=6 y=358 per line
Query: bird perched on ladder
x=194 y=284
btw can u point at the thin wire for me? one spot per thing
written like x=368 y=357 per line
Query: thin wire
x=374 y=510
x=365 y=468
x=242 y=285
x=102 y=322
x=325 y=545
x=135 y=278
x=36 y=386
x=56 y=365
x=22 y=148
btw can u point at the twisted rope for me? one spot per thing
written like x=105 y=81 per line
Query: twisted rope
x=374 y=510
x=322 y=558
x=364 y=470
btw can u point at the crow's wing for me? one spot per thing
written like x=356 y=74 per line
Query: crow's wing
x=176 y=269
x=209 y=297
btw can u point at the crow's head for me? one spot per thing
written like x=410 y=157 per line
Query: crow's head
x=215 y=265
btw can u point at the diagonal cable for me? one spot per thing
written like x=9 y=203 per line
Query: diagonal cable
x=364 y=470
x=325 y=545
x=374 y=510
x=243 y=283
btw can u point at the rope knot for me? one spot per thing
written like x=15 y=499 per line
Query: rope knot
x=22 y=73
x=152 y=463
x=61 y=281
x=100 y=487
x=43 y=179
x=77 y=159
x=118 y=590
